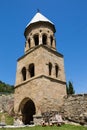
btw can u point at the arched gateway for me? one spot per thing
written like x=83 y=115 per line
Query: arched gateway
x=40 y=72
x=27 y=109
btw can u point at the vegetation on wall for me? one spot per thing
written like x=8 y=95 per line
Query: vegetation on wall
x=6 y=88
x=8 y=120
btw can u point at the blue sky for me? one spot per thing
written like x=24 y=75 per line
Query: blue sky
x=70 y=19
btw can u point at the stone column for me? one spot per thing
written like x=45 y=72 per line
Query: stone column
x=27 y=72
x=48 y=40
x=40 y=39
x=32 y=42
x=54 y=43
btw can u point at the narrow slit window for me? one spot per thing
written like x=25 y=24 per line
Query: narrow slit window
x=24 y=73
x=29 y=43
x=31 y=70
x=36 y=40
x=50 y=68
x=56 y=70
x=51 y=40
x=44 y=39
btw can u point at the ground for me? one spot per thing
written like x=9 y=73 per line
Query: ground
x=64 y=127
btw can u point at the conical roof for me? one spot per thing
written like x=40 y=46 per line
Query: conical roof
x=37 y=18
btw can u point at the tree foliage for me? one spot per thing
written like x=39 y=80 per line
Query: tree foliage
x=6 y=88
x=70 y=88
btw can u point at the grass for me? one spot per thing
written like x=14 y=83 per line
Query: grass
x=64 y=127
x=8 y=119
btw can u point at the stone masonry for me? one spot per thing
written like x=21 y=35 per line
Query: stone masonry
x=7 y=103
x=46 y=91
x=40 y=78
x=75 y=108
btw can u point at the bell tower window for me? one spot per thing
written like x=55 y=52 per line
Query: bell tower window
x=44 y=39
x=51 y=40
x=31 y=70
x=29 y=43
x=56 y=70
x=24 y=73
x=36 y=40
x=50 y=68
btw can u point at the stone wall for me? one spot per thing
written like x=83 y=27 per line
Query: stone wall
x=75 y=108
x=6 y=103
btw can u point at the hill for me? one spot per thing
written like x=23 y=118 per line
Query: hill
x=6 y=88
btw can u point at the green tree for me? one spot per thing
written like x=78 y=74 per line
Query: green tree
x=67 y=89
x=70 y=88
x=6 y=88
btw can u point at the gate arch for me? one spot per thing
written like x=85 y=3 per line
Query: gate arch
x=27 y=108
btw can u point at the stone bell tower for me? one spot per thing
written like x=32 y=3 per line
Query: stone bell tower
x=40 y=79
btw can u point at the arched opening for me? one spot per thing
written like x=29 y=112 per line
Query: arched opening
x=24 y=73
x=36 y=40
x=31 y=70
x=51 y=40
x=56 y=70
x=29 y=43
x=27 y=108
x=44 y=39
x=50 y=68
